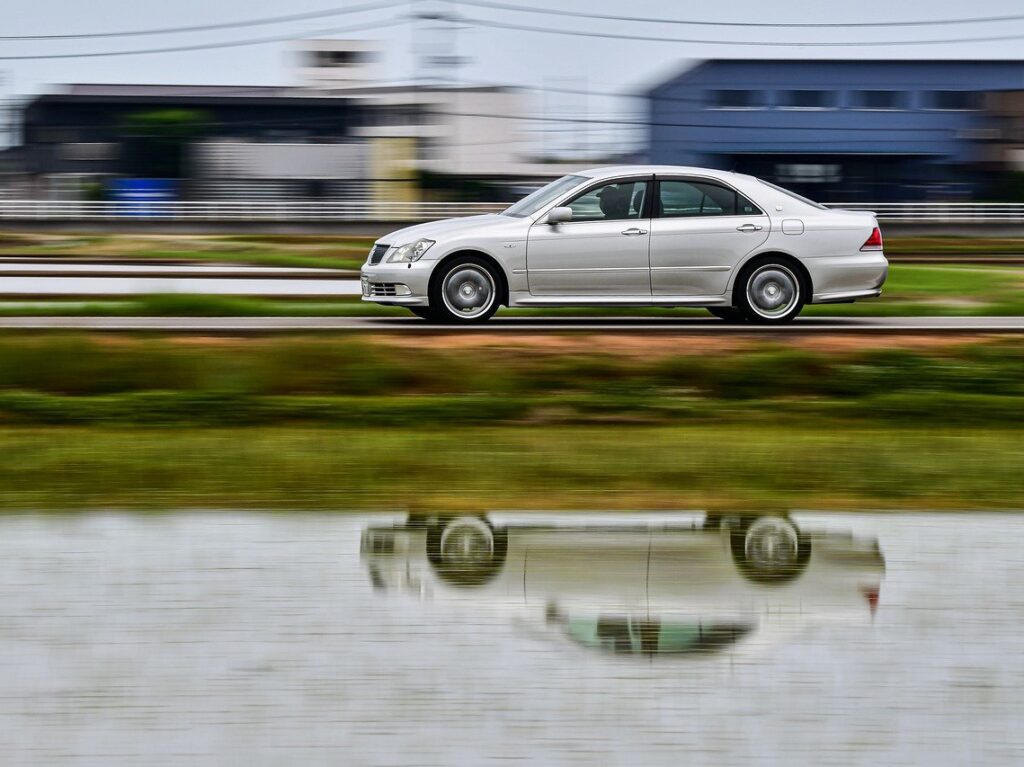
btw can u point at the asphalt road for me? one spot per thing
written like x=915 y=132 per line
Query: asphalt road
x=683 y=326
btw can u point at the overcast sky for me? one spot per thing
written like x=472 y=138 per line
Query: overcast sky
x=492 y=55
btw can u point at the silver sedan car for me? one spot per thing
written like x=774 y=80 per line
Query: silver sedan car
x=667 y=236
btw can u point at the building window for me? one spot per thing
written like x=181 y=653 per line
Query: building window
x=328 y=59
x=808 y=173
x=806 y=100
x=736 y=99
x=879 y=100
x=955 y=100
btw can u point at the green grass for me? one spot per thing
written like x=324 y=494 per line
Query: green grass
x=341 y=379
x=595 y=467
x=260 y=250
x=193 y=305
x=953 y=290
x=328 y=422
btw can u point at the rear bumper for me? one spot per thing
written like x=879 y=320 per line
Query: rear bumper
x=838 y=279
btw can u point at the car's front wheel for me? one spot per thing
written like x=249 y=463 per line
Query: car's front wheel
x=467 y=550
x=466 y=290
x=770 y=291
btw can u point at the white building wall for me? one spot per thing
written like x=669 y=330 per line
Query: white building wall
x=266 y=160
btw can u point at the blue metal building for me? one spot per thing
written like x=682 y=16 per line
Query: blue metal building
x=837 y=129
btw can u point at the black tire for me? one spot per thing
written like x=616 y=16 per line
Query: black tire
x=774 y=280
x=423 y=312
x=481 y=277
x=727 y=313
x=787 y=568
x=467 y=572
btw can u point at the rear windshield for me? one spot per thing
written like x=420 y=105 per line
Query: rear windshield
x=794 y=195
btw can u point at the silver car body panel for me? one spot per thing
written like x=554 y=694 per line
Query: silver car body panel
x=692 y=261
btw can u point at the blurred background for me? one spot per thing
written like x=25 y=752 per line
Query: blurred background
x=434 y=100
x=249 y=518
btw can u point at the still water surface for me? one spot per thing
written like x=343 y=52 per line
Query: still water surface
x=223 y=639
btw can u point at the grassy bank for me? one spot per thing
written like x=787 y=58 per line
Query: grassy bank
x=539 y=467
x=260 y=250
x=340 y=380
x=556 y=422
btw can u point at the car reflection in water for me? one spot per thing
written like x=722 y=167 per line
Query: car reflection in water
x=644 y=589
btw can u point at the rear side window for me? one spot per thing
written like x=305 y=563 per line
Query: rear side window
x=680 y=199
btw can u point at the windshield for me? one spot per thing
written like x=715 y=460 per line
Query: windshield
x=546 y=194
x=794 y=195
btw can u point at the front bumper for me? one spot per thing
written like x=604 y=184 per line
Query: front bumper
x=846 y=278
x=397 y=284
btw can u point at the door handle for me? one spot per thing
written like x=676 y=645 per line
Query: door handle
x=749 y=228
x=634 y=232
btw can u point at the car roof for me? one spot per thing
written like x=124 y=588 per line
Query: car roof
x=610 y=171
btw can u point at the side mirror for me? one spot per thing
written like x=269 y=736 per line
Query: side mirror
x=560 y=215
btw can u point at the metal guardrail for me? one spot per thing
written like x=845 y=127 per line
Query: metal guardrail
x=940 y=212
x=369 y=210
x=215 y=210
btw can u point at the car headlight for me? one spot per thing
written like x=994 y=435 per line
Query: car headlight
x=412 y=252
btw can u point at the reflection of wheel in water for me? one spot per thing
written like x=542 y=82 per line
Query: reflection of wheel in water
x=769 y=549
x=466 y=551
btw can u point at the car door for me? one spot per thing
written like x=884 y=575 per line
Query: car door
x=701 y=230
x=585 y=567
x=602 y=251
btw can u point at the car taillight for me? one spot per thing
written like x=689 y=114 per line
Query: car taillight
x=874 y=242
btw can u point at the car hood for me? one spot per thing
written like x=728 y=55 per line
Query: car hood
x=435 y=230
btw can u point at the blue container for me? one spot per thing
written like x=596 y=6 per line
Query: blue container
x=147 y=197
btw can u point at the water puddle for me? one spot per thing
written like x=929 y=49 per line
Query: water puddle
x=745 y=638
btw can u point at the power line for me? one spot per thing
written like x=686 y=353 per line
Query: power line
x=748 y=24
x=211 y=46
x=749 y=43
x=325 y=13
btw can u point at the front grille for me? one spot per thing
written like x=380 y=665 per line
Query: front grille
x=382 y=289
x=378 y=253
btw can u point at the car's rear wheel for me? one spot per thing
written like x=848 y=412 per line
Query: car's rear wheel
x=770 y=291
x=466 y=290
x=727 y=313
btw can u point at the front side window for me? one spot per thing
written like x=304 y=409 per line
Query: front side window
x=610 y=202
x=680 y=199
x=546 y=194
